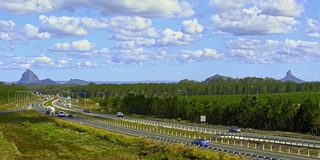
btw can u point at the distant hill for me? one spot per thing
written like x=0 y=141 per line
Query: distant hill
x=77 y=81
x=47 y=81
x=290 y=77
x=206 y=81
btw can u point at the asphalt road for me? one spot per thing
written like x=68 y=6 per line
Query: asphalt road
x=283 y=139
x=141 y=133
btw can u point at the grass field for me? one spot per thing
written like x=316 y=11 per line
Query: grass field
x=31 y=135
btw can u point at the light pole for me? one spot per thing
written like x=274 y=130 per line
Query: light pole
x=257 y=90
x=102 y=95
x=185 y=92
x=84 y=99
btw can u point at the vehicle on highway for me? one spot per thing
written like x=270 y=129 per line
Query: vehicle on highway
x=61 y=114
x=234 y=129
x=119 y=114
x=70 y=115
x=201 y=142
x=86 y=110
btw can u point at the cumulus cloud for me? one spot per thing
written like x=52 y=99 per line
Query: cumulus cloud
x=43 y=60
x=192 y=27
x=75 y=46
x=273 y=51
x=6 y=25
x=143 y=8
x=68 y=26
x=82 y=45
x=22 y=7
x=31 y=31
x=199 y=55
x=86 y=64
x=136 y=29
x=38 y=61
x=9 y=32
x=314 y=28
x=175 y=38
x=290 y=8
x=255 y=17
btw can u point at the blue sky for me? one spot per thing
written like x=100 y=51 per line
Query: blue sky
x=138 y=40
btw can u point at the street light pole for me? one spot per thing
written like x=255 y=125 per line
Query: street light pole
x=185 y=92
x=257 y=90
x=102 y=95
x=84 y=99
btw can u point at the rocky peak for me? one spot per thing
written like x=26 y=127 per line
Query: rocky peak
x=289 y=73
x=290 y=77
x=29 y=77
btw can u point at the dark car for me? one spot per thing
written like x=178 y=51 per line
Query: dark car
x=200 y=142
x=70 y=115
x=86 y=110
x=234 y=129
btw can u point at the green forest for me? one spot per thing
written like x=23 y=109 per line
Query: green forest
x=259 y=103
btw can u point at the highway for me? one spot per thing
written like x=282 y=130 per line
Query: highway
x=142 y=133
x=279 y=139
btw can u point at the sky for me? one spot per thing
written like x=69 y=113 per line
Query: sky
x=159 y=40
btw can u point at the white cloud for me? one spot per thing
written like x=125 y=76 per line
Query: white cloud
x=75 y=46
x=9 y=32
x=68 y=26
x=31 y=31
x=200 y=55
x=23 y=6
x=6 y=26
x=175 y=38
x=63 y=63
x=290 y=8
x=253 y=18
x=60 y=47
x=82 y=45
x=192 y=27
x=273 y=51
x=87 y=64
x=314 y=28
x=132 y=29
x=143 y=8
x=43 y=60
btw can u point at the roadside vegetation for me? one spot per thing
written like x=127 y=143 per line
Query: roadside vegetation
x=32 y=135
x=251 y=102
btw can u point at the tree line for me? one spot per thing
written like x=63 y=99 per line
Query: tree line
x=261 y=103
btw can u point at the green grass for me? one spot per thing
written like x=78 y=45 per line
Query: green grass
x=31 y=135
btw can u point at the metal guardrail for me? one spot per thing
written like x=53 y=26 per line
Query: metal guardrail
x=271 y=140
x=282 y=141
x=248 y=155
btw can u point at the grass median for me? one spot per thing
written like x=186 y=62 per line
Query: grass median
x=31 y=135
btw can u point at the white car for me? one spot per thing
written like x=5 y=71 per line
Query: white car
x=119 y=114
x=61 y=114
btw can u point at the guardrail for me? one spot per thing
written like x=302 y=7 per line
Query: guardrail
x=271 y=140
x=247 y=155
x=282 y=141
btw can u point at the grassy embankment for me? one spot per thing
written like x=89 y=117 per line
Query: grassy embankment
x=31 y=135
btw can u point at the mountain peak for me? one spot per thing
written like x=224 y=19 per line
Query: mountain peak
x=290 y=77
x=29 y=77
x=289 y=73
